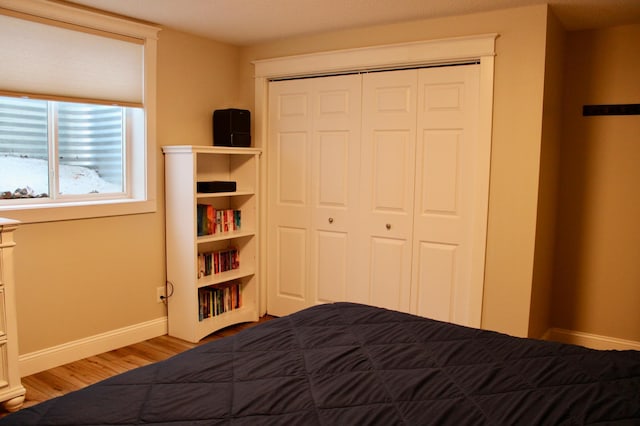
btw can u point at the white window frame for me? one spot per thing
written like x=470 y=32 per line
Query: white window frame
x=142 y=156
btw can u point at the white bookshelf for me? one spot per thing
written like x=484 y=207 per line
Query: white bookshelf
x=184 y=167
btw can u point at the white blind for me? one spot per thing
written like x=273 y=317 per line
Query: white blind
x=37 y=59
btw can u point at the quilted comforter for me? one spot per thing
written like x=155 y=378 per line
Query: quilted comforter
x=350 y=364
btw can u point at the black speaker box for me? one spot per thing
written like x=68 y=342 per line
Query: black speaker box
x=216 y=186
x=232 y=127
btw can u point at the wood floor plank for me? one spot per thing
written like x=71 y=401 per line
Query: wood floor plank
x=67 y=378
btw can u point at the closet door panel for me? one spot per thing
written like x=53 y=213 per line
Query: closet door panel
x=335 y=170
x=291 y=263
x=288 y=196
x=332 y=269
x=292 y=169
x=437 y=268
x=313 y=167
x=331 y=216
x=390 y=187
x=388 y=273
x=441 y=174
x=290 y=233
x=443 y=225
x=387 y=182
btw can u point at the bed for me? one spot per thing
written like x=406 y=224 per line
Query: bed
x=351 y=364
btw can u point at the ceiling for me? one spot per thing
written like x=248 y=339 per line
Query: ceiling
x=247 y=22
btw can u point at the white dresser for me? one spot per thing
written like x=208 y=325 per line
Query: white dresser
x=11 y=390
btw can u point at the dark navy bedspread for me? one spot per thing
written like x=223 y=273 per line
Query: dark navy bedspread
x=349 y=364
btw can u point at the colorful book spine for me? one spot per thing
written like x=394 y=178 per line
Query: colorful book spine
x=212 y=221
x=217 y=300
x=216 y=262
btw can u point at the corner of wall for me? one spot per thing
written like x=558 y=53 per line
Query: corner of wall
x=545 y=240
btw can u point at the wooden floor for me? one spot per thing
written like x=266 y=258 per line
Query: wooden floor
x=76 y=375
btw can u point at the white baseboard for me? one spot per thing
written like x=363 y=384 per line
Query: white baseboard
x=55 y=356
x=588 y=340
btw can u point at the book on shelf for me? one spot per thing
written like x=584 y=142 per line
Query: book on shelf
x=216 y=300
x=215 y=262
x=213 y=221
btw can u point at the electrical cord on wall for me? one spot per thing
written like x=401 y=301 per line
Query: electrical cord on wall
x=168 y=291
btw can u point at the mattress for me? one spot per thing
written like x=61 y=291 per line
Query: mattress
x=351 y=364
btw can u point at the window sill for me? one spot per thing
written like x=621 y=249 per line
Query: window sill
x=77 y=210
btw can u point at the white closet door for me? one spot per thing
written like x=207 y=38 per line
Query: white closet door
x=377 y=192
x=387 y=188
x=335 y=169
x=289 y=174
x=313 y=151
x=444 y=207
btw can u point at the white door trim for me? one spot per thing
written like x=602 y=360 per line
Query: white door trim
x=430 y=52
x=376 y=57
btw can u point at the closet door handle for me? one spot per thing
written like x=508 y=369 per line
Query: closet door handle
x=330 y=220
x=388 y=226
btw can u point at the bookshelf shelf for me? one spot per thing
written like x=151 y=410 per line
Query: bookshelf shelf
x=226 y=276
x=225 y=236
x=185 y=165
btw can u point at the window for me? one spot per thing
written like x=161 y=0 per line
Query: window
x=62 y=150
x=77 y=113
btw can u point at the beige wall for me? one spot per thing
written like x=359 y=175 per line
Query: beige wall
x=519 y=84
x=79 y=278
x=195 y=77
x=597 y=277
x=76 y=279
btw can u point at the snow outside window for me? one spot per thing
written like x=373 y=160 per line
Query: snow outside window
x=61 y=150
